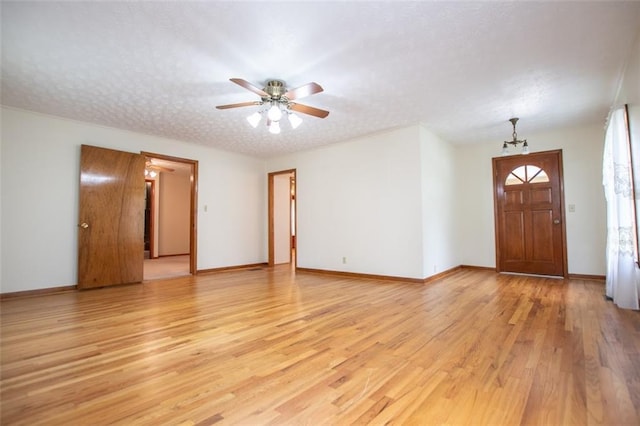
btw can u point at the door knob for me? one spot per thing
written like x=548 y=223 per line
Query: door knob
x=556 y=221
x=84 y=225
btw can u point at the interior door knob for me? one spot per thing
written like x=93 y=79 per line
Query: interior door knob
x=84 y=225
x=556 y=221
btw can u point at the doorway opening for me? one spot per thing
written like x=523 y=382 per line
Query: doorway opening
x=283 y=245
x=170 y=216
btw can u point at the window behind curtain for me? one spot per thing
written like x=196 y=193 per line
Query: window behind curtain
x=634 y=142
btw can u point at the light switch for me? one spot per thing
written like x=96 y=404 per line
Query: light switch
x=572 y=208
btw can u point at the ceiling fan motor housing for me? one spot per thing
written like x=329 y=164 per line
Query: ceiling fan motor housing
x=275 y=89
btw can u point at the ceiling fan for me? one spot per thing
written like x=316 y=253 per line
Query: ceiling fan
x=275 y=93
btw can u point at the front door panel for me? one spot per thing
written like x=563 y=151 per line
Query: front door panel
x=530 y=235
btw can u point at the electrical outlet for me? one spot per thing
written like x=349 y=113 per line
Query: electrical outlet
x=344 y=260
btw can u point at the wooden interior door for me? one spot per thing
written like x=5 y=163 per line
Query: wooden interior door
x=111 y=217
x=281 y=193
x=530 y=233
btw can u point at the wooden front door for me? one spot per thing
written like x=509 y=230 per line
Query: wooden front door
x=111 y=217
x=528 y=195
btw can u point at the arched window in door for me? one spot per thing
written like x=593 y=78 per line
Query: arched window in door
x=526 y=174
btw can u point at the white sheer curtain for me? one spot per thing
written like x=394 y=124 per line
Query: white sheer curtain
x=623 y=277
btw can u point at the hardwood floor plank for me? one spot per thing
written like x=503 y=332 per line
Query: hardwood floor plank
x=271 y=346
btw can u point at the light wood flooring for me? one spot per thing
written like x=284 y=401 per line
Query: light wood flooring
x=166 y=267
x=269 y=346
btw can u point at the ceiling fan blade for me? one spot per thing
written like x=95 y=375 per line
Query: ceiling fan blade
x=249 y=86
x=306 y=109
x=241 y=104
x=302 y=91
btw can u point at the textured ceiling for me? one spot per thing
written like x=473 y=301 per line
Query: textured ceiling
x=460 y=68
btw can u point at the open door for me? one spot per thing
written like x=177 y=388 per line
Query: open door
x=282 y=217
x=111 y=217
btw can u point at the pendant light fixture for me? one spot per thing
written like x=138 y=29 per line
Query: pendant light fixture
x=515 y=141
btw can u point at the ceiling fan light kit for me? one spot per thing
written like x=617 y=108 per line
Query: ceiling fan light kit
x=254 y=119
x=276 y=102
x=295 y=120
x=274 y=127
x=274 y=113
x=515 y=141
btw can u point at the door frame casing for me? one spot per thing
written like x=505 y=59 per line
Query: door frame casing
x=558 y=153
x=193 y=207
x=271 y=218
x=152 y=224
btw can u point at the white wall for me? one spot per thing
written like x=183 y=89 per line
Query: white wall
x=629 y=91
x=39 y=177
x=440 y=191
x=360 y=200
x=347 y=193
x=1 y=198
x=395 y=203
x=586 y=227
